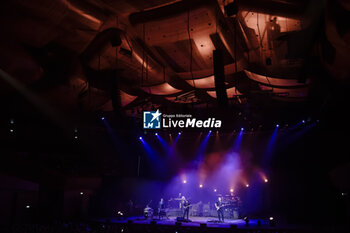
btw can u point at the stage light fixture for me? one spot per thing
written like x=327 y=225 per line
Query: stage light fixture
x=27 y=206
x=272 y=222
x=12 y=121
x=242 y=129
x=201 y=186
x=140 y=138
x=215 y=190
x=179 y=133
x=156 y=134
x=266 y=180
x=81 y=193
x=11 y=130
x=247 y=185
x=184 y=181
x=277 y=125
x=102 y=118
x=76 y=137
x=303 y=121
x=231 y=190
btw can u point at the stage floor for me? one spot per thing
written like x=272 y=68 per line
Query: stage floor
x=195 y=221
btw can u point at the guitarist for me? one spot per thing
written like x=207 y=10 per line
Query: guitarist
x=186 y=207
x=219 y=207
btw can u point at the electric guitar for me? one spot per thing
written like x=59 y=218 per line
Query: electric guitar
x=220 y=206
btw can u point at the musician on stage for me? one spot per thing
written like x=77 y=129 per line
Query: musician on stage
x=220 y=209
x=186 y=207
x=161 y=209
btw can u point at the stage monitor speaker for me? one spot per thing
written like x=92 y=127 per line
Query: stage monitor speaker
x=181 y=219
x=178 y=224
x=153 y=222
x=219 y=76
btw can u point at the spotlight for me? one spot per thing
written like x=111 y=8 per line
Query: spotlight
x=272 y=222
x=231 y=190
x=242 y=129
x=303 y=121
x=76 y=137
x=103 y=118
x=156 y=134
x=184 y=181
x=81 y=193
x=201 y=186
x=27 y=206
x=215 y=190
x=209 y=131
x=277 y=125
x=12 y=121
x=266 y=180
x=140 y=138
x=11 y=130
x=247 y=185
x=179 y=133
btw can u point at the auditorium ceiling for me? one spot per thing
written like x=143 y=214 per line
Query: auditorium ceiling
x=106 y=55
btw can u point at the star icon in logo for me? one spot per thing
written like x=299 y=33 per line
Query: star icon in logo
x=156 y=115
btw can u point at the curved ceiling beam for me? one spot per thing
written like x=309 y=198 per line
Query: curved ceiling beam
x=161 y=89
x=300 y=92
x=274 y=82
x=231 y=92
x=166 y=11
x=293 y=9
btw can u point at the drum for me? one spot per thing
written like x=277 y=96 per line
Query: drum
x=148 y=212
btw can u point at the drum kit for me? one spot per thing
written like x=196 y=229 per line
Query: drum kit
x=148 y=211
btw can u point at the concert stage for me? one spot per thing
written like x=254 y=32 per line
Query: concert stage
x=210 y=222
x=205 y=224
